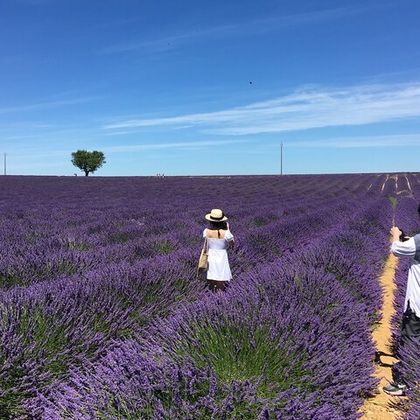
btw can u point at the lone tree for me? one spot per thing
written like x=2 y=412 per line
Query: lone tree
x=88 y=161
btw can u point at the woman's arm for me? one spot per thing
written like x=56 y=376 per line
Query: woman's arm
x=229 y=237
x=401 y=249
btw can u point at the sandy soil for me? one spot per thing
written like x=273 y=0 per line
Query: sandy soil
x=382 y=406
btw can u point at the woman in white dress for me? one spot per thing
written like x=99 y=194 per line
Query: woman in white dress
x=219 y=239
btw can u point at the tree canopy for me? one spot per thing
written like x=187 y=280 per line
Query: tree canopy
x=88 y=161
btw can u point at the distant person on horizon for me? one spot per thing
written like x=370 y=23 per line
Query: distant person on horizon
x=219 y=239
x=410 y=327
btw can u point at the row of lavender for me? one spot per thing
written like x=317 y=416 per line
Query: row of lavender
x=407 y=219
x=62 y=320
x=70 y=228
x=306 y=289
x=57 y=323
x=290 y=340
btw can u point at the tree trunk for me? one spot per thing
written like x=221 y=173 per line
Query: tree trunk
x=86 y=173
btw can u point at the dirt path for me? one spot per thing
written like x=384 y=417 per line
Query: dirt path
x=380 y=407
x=409 y=185
x=383 y=185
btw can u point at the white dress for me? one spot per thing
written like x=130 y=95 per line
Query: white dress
x=219 y=268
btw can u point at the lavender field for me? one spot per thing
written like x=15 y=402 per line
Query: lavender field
x=102 y=315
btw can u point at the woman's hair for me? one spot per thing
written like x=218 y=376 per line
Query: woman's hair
x=218 y=225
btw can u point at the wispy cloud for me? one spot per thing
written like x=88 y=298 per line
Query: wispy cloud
x=361 y=142
x=36 y=153
x=46 y=105
x=192 y=145
x=262 y=25
x=301 y=110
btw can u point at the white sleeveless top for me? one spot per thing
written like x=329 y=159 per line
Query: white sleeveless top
x=219 y=268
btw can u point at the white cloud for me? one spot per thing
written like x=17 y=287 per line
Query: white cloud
x=36 y=153
x=169 y=145
x=356 y=142
x=46 y=105
x=261 y=25
x=304 y=109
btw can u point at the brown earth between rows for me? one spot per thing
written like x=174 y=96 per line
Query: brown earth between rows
x=382 y=406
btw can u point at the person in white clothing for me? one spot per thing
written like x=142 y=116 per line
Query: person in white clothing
x=219 y=239
x=410 y=327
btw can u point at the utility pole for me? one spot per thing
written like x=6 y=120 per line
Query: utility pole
x=4 y=164
x=281 y=158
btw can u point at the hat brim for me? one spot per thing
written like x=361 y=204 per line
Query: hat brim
x=208 y=217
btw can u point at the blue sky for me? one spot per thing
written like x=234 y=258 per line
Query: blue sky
x=210 y=87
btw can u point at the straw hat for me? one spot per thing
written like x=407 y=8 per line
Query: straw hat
x=216 y=215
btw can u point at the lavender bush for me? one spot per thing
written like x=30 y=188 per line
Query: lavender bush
x=103 y=317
